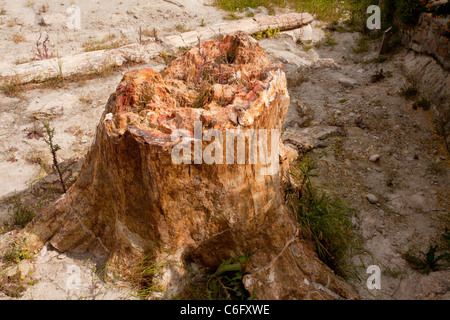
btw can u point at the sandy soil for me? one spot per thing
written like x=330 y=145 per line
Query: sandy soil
x=410 y=179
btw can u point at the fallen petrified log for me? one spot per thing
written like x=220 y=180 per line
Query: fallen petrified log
x=96 y=61
x=155 y=184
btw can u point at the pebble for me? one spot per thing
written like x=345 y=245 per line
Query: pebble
x=374 y=157
x=347 y=82
x=372 y=199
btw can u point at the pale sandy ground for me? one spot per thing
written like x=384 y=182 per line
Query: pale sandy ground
x=407 y=216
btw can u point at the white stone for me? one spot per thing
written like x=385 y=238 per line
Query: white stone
x=374 y=157
x=347 y=82
x=371 y=198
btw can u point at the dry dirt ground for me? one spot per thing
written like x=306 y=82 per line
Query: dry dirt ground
x=331 y=94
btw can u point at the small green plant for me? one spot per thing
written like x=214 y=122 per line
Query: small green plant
x=16 y=253
x=380 y=75
x=203 y=98
x=167 y=57
x=436 y=167
x=2 y=12
x=307 y=47
x=53 y=149
x=145 y=276
x=13 y=286
x=362 y=45
x=13 y=87
x=44 y=8
x=183 y=49
x=446 y=237
x=226 y=282
x=423 y=103
x=323 y=219
x=380 y=59
x=338 y=147
x=409 y=10
x=336 y=26
x=21 y=213
x=232 y=16
x=269 y=33
x=329 y=41
x=430 y=262
x=181 y=27
x=108 y=42
x=410 y=92
x=394 y=273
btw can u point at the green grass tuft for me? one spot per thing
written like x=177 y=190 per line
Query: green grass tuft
x=323 y=219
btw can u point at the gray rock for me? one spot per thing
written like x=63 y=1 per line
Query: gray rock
x=262 y=10
x=371 y=198
x=249 y=10
x=347 y=82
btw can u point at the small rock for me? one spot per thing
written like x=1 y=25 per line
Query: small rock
x=374 y=158
x=305 y=34
x=249 y=10
x=372 y=199
x=262 y=10
x=347 y=82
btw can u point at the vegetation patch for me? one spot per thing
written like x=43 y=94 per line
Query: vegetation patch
x=13 y=87
x=429 y=261
x=109 y=42
x=14 y=286
x=423 y=103
x=16 y=253
x=145 y=276
x=325 y=10
x=362 y=45
x=269 y=33
x=225 y=283
x=323 y=219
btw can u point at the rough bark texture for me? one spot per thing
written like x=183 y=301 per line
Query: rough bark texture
x=131 y=200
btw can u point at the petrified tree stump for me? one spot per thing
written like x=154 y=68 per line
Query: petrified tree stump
x=139 y=193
